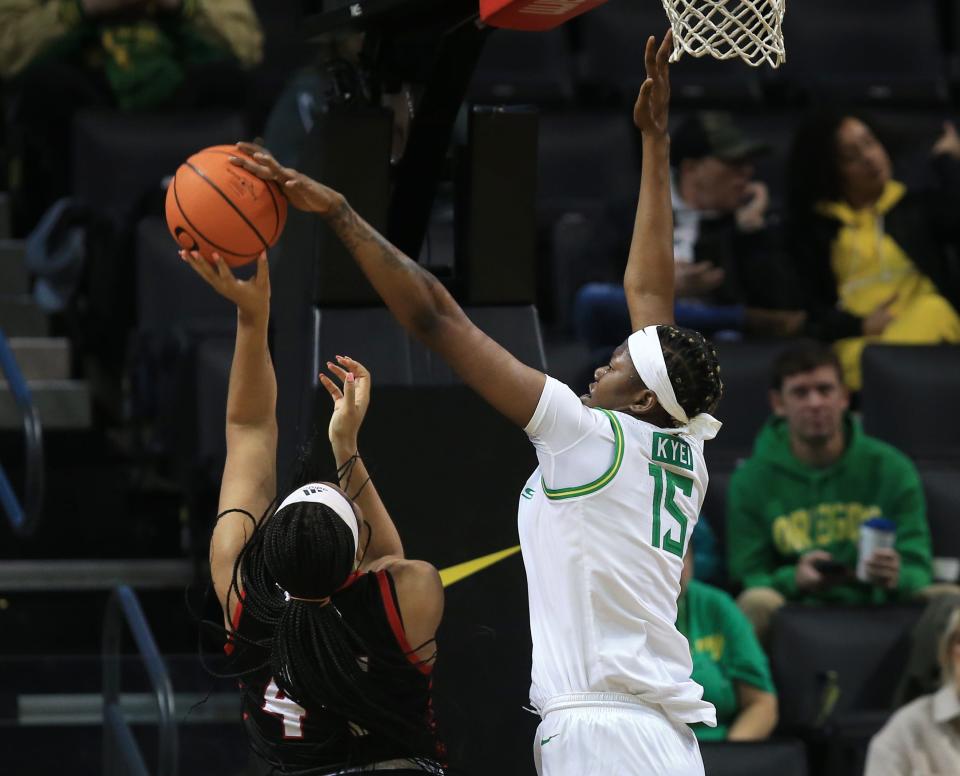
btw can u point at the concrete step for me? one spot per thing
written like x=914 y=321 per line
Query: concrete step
x=20 y=317
x=42 y=358
x=213 y=750
x=62 y=404
x=14 y=278
x=6 y=222
x=100 y=574
x=71 y=709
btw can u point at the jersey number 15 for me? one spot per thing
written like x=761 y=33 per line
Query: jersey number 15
x=675 y=482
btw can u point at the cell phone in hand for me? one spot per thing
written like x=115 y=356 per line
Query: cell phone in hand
x=830 y=568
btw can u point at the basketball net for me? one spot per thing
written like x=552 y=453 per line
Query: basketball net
x=724 y=29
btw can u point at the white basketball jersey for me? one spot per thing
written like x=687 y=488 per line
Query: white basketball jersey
x=604 y=523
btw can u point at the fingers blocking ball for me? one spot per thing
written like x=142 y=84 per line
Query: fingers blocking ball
x=214 y=206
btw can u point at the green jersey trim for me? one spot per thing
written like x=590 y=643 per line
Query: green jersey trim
x=603 y=479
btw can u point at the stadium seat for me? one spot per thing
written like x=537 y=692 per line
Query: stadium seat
x=586 y=159
x=213 y=358
x=515 y=327
x=139 y=150
x=909 y=135
x=866 y=50
x=745 y=406
x=372 y=336
x=168 y=292
x=941 y=485
x=834 y=665
x=368 y=334
x=613 y=38
x=715 y=503
x=907 y=390
x=776 y=757
x=951 y=18
x=576 y=258
x=175 y=310
x=836 y=670
x=524 y=67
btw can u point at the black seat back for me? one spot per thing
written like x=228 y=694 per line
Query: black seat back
x=786 y=757
x=906 y=392
x=941 y=486
x=745 y=406
x=831 y=662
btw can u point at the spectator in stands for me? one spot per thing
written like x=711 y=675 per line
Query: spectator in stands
x=727 y=253
x=870 y=255
x=923 y=738
x=728 y=662
x=60 y=56
x=922 y=674
x=794 y=508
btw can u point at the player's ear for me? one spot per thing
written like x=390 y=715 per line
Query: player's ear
x=643 y=402
x=844 y=395
x=776 y=403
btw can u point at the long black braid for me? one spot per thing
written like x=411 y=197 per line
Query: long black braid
x=693 y=369
x=314 y=655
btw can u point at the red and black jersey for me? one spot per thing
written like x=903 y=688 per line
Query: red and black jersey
x=286 y=736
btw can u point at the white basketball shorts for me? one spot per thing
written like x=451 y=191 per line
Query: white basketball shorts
x=609 y=734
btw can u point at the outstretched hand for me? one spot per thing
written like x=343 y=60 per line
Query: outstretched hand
x=302 y=191
x=349 y=403
x=874 y=324
x=948 y=142
x=651 y=111
x=252 y=297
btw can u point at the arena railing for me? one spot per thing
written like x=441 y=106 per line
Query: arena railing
x=23 y=517
x=121 y=753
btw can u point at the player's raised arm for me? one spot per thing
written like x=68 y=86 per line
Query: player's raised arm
x=648 y=279
x=350 y=402
x=249 y=473
x=416 y=298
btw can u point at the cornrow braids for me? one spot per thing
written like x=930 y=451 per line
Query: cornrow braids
x=693 y=369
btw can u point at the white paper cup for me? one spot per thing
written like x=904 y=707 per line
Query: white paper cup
x=875 y=534
x=946 y=569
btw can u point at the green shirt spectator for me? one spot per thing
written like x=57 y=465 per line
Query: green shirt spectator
x=781 y=508
x=728 y=662
x=795 y=507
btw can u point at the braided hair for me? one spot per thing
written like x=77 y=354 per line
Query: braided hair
x=693 y=369
x=315 y=657
x=313 y=654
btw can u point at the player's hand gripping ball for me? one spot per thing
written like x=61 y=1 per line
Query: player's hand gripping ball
x=214 y=206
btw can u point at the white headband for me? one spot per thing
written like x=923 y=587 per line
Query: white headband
x=647 y=356
x=318 y=493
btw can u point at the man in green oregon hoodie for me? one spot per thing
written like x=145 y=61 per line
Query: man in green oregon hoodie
x=794 y=508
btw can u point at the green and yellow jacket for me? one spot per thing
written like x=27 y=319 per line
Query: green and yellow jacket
x=779 y=509
x=144 y=56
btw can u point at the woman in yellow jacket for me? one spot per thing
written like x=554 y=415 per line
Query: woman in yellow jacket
x=872 y=256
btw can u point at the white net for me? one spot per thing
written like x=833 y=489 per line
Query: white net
x=749 y=29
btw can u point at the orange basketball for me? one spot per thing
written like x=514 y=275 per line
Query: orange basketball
x=214 y=206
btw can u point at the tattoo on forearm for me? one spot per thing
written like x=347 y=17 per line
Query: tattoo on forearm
x=359 y=238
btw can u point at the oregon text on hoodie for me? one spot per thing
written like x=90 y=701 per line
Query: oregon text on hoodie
x=779 y=508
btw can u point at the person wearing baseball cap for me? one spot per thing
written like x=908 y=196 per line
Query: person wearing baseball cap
x=728 y=273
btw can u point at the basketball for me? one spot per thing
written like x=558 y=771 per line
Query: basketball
x=214 y=206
